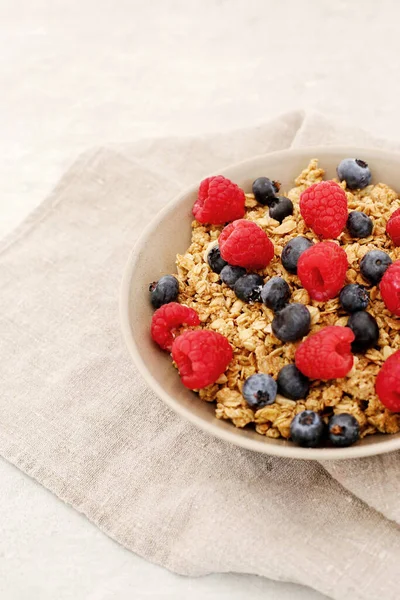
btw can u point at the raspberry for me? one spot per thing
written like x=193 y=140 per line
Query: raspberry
x=322 y=270
x=244 y=244
x=387 y=383
x=323 y=206
x=326 y=354
x=219 y=201
x=167 y=318
x=393 y=227
x=201 y=357
x=390 y=288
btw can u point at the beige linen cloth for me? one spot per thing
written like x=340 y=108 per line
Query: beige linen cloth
x=77 y=417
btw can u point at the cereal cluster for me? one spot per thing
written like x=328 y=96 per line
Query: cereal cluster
x=248 y=326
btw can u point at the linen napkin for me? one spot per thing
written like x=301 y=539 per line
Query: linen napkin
x=76 y=416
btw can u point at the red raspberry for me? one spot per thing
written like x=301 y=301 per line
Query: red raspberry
x=326 y=354
x=167 y=318
x=393 y=227
x=201 y=357
x=244 y=244
x=390 y=288
x=324 y=208
x=322 y=270
x=219 y=201
x=387 y=383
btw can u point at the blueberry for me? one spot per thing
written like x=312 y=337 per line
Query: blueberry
x=264 y=190
x=359 y=224
x=355 y=173
x=165 y=290
x=365 y=329
x=307 y=429
x=280 y=208
x=259 y=390
x=248 y=287
x=292 y=252
x=354 y=297
x=373 y=265
x=230 y=275
x=275 y=293
x=291 y=323
x=215 y=260
x=292 y=383
x=343 y=430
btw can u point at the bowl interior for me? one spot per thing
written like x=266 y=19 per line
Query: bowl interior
x=150 y=260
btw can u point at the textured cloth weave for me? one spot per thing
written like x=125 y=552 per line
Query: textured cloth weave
x=76 y=416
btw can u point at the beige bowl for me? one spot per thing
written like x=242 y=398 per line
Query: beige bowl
x=149 y=260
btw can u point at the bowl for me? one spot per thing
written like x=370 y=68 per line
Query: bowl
x=148 y=261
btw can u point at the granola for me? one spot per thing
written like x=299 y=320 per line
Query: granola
x=248 y=326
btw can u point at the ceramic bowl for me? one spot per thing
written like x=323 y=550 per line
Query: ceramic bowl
x=150 y=260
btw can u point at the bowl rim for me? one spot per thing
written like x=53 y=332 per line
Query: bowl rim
x=227 y=435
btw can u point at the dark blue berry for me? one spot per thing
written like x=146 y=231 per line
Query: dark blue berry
x=355 y=173
x=343 y=430
x=291 y=323
x=259 y=390
x=248 y=287
x=280 y=208
x=292 y=252
x=215 y=260
x=359 y=224
x=264 y=190
x=292 y=383
x=307 y=429
x=354 y=297
x=373 y=265
x=229 y=275
x=165 y=290
x=275 y=293
x=365 y=329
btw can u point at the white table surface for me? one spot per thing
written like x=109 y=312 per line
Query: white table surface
x=78 y=73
